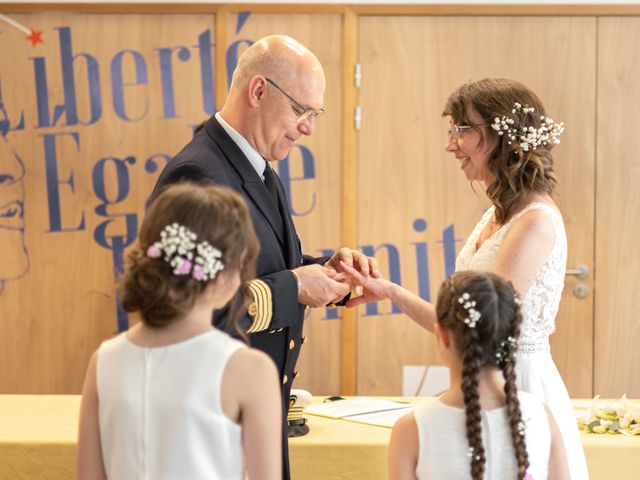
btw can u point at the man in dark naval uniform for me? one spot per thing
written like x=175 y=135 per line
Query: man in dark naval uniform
x=276 y=95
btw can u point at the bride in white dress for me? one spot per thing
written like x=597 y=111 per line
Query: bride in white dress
x=502 y=137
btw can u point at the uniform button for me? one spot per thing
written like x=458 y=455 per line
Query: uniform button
x=285 y=379
x=292 y=344
x=253 y=309
x=295 y=374
x=304 y=340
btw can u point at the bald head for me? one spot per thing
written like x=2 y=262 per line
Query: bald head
x=278 y=57
x=276 y=93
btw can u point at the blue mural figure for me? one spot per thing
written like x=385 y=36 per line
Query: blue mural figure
x=15 y=256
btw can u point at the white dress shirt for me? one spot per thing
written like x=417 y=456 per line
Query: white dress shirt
x=256 y=160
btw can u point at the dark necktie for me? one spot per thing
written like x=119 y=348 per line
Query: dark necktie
x=270 y=182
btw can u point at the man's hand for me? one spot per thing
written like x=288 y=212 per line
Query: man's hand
x=320 y=285
x=354 y=259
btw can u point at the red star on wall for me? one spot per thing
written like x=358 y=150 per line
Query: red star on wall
x=35 y=37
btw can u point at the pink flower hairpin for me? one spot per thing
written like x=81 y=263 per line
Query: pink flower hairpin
x=178 y=245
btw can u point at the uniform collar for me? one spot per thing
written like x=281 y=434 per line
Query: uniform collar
x=255 y=159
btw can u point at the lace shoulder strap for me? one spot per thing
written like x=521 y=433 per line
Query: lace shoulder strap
x=552 y=213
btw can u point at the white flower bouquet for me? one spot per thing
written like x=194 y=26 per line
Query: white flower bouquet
x=621 y=417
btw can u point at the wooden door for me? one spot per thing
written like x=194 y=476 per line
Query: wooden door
x=617 y=328
x=415 y=207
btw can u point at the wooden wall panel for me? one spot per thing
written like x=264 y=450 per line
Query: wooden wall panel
x=617 y=329
x=410 y=65
x=316 y=201
x=56 y=282
x=63 y=305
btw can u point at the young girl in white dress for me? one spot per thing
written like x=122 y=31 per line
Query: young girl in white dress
x=502 y=137
x=482 y=427
x=173 y=397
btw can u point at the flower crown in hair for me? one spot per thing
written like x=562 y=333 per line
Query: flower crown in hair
x=468 y=305
x=178 y=244
x=528 y=138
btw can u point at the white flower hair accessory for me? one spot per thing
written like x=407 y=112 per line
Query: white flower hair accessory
x=522 y=428
x=468 y=305
x=506 y=351
x=528 y=138
x=471 y=453
x=207 y=262
x=178 y=244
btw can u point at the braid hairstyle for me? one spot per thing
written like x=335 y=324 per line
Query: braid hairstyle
x=496 y=302
x=472 y=362
x=514 y=414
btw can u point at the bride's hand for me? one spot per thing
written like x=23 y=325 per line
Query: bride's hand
x=375 y=288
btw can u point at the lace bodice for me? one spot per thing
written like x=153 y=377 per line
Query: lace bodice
x=540 y=303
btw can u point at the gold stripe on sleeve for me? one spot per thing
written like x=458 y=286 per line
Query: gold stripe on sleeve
x=262 y=308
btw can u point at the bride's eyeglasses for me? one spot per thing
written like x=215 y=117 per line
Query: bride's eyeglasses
x=456 y=132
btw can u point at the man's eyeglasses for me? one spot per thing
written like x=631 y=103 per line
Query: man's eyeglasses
x=302 y=112
x=456 y=132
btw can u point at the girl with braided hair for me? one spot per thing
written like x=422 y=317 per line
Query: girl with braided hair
x=482 y=427
x=174 y=397
x=502 y=138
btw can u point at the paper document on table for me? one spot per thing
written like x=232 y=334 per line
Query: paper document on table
x=353 y=406
x=387 y=418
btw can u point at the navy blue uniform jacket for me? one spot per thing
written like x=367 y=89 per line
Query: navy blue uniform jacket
x=275 y=318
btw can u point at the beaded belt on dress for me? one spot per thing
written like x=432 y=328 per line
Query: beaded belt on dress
x=534 y=345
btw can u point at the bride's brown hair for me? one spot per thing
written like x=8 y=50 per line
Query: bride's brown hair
x=517 y=172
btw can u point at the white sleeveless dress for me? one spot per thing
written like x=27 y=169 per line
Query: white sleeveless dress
x=160 y=412
x=444 y=448
x=536 y=372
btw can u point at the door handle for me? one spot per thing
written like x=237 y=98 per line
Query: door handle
x=581 y=271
